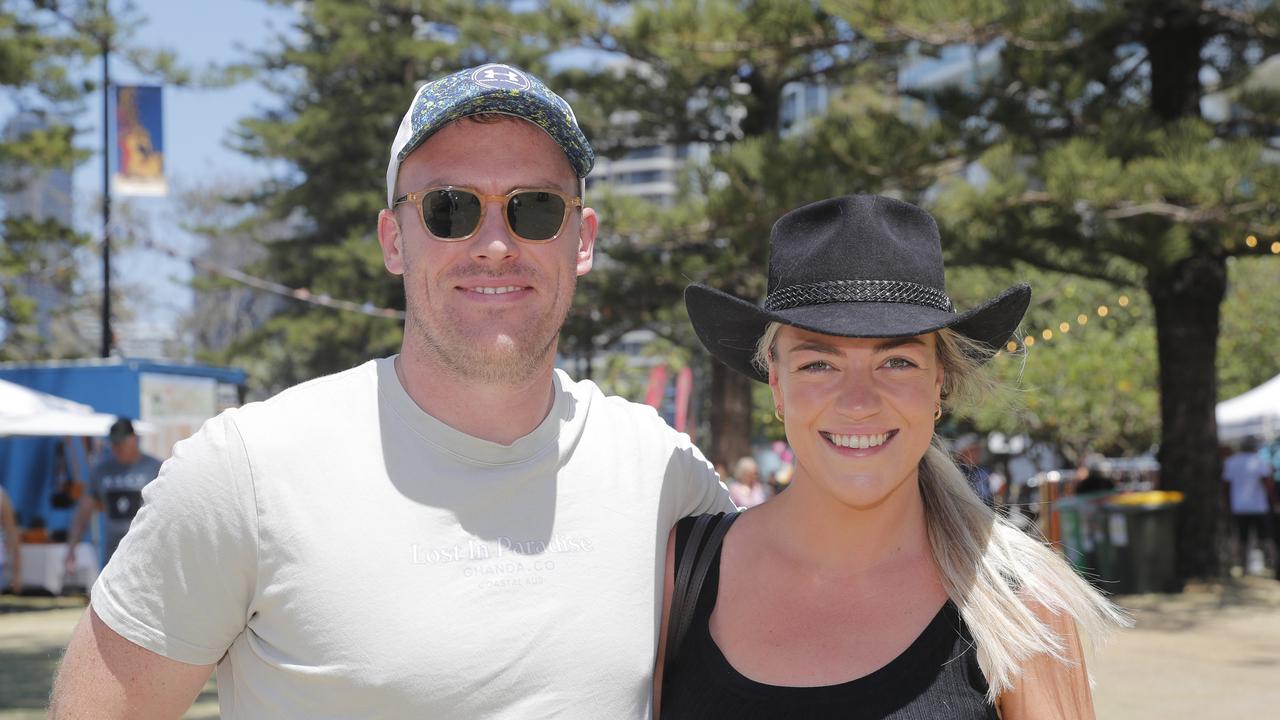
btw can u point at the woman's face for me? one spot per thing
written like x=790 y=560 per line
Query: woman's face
x=858 y=411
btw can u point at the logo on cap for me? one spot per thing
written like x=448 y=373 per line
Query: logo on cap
x=500 y=77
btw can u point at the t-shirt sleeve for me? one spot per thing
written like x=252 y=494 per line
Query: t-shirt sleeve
x=182 y=582
x=701 y=491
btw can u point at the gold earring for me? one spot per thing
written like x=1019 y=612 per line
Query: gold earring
x=778 y=414
x=937 y=414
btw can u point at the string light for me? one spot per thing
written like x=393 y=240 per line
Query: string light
x=1251 y=241
x=1275 y=248
x=299 y=294
x=1064 y=327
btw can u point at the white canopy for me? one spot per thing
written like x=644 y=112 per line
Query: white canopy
x=1256 y=412
x=27 y=412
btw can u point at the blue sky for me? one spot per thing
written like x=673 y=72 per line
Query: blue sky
x=197 y=125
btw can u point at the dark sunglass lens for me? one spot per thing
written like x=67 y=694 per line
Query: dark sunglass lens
x=536 y=215
x=450 y=213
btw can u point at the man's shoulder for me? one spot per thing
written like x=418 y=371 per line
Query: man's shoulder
x=614 y=407
x=323 y=397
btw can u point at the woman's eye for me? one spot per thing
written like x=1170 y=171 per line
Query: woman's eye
x=815 y=366
x=899 y=363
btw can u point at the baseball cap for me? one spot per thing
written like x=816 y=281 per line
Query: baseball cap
x=120 y=429
x=490 y=88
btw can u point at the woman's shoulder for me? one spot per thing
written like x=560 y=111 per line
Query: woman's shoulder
x=701 y=527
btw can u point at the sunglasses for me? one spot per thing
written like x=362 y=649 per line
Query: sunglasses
x=454 y=213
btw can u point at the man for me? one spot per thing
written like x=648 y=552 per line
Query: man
x=115 y=488
x=1251 y=497
x=459 y=531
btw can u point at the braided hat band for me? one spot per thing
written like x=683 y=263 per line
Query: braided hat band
x=844 y=291
x=855 y=266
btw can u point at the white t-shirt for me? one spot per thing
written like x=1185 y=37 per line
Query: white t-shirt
x=1244 y=471
x=341 y=553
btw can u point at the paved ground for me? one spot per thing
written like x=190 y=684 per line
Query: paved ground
x=33 y=633
x=1211 y=652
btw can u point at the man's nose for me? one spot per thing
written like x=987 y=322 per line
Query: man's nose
x=493 y=242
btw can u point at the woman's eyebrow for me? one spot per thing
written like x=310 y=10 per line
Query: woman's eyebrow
x=899 y=342
x=815 y=346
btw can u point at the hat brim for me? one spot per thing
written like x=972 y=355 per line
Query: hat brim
x=730 y=327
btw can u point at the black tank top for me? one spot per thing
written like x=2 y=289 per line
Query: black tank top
x=937 y=677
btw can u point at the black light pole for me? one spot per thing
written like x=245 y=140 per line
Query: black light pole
x=106 y=184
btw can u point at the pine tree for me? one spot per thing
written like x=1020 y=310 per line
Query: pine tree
x=38 y=54
x=344 y=76
x=1104 y=158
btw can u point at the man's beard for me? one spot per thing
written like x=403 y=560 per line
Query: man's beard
x=523 y=353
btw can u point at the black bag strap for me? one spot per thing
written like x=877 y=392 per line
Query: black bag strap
x=691 y=572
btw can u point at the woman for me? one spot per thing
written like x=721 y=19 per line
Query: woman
x=879 y=585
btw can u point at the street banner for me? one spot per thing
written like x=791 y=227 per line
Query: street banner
x=139 y=168
x=657 y=387
x=684 y=388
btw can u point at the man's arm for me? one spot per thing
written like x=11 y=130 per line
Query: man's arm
x=668 y=588
x=103 y=675
x=12 y=542
x=84 y=511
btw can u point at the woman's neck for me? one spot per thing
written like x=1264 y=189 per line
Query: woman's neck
x=815 y=528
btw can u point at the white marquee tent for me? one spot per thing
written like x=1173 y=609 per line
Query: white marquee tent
x=29 y=413
x=1256 y=412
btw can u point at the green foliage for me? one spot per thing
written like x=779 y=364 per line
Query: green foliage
x=1090 y=388
x=1249 y=347
x=39 y=55
x=344 y=75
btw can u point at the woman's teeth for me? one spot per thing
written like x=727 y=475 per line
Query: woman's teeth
x=858 y=442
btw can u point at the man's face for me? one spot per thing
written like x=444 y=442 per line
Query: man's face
x=126 y=449
x=502 y=336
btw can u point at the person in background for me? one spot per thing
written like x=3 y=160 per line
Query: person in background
x=1251 y=496
x=115 y=489
x=745 y=488
x=10 y=547
x=1089 y=479
x=969 y=456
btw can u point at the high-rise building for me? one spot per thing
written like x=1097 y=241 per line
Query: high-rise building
x=650 y=172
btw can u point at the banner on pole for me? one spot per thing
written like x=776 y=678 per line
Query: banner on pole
x=139 y=168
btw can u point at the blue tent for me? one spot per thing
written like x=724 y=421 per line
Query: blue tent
x=28 y=465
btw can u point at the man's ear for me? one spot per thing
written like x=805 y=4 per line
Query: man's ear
x=587 y=228
x=391 y=242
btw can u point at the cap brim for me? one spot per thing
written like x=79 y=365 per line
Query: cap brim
x=730 y=327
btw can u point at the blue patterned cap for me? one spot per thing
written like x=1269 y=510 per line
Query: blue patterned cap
x=492 y=88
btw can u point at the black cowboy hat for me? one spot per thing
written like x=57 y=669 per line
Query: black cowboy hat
x=853 y=266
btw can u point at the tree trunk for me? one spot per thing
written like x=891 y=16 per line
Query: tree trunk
x=730 y=415
x=1187 y=298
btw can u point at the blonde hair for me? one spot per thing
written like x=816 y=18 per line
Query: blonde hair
x=991 y=570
